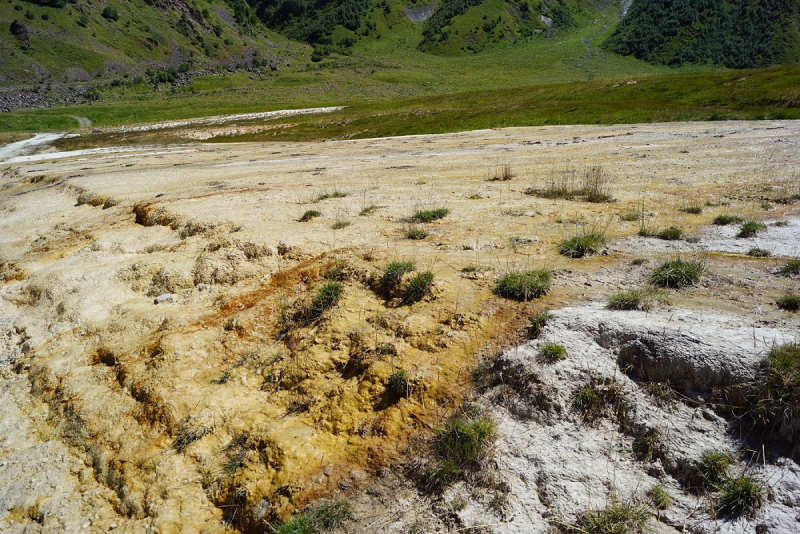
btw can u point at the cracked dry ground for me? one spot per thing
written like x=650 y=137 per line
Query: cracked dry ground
x=220 y=408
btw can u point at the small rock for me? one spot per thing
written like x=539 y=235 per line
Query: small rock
x=166 y=297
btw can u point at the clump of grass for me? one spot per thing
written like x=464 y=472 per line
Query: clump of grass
x=338 y=224
x=426 y=216
x=417 y=287
x=617 y=518
x=415 y=231
x=780 y=224
x=789 y=302
x=503 y=174
x=644 y=446
x=462 y=444
x=187 y=434
x=582 y=244
x=659 y=497
x=326 y=298
x=523 y=285
x=369 y=209
x=712 y=468
x=308 y=215
x=470 y=269
x=636 y=299
x=320 y=518
x=596 y=185
x=551 y=353
x=596 y=400
x=725 y=220
x=756 y=252
x=397 y=383
x=673 y=233
x=740 y=496
x=774 y=396
x=767 y=206
x=790 y=268
x=631 y=216
x=393 y=273
x=694 y=209
x=677 y=273
x=330 y=194
x=536 y=324
x=750 y=229
x=639 y=261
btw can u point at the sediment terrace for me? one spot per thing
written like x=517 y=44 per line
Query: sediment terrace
x=159 y=369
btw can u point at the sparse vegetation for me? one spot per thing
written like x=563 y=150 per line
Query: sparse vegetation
x=694 y=209
x=774 y=396
x=187 y=434
x=596 y=184
x=639 y=261
x=397 y=383
x=677 y=273
x=369 y=209
x=740 y=496
x=617 y=518
x=750 y=229
x=503 y=174
x=582 y=244
x=712 y=468
x=551 y=353
x=637 y=299
x=536 y=324
x=316 y=519
x=789 y=302
x=330 y=194
x=725 y=220
x=426 y=216
x=673 y=233
x=339 y=223
x=415 y=231
x=644 y=446
x=462 y=444
x=790 y=268
x=596 y=400
x=326 y=298
x=417 y=287
x=393 y=273
x=780 y=224
x=523 y=285
x=308 y=215
x=756 y=252
x=631 y=216
x=659 y=497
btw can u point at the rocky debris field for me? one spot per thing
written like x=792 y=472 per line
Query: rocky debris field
x=251 y=337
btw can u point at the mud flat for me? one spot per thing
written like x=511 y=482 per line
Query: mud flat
x=169 y=362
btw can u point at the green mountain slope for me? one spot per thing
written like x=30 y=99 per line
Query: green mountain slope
x=81 y=40
x=734 y=33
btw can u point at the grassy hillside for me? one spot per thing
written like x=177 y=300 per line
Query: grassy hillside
x=80 y=41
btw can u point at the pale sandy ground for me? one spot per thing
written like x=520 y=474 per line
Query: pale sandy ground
x=98 y=381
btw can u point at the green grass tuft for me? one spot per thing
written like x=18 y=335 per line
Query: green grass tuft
x=790 y=268
x=316 y=519
x=673 y=233
x=631 y=216
x=416 y=232
x=426 y=216
x=394 y=271
x=789 y=302
x=774 y=396
x=617 y=518
x=417 y=287
x=751 y=229
x=659 y=497
x=536 y=324
x=582 y=244
x=756 y=252
x=596 y=400
x=330 y=194
x=677 y=273
x=369 y=209
x=397 y=383
x=462 y=444
x=725 y=220
x=308 y=215
x=712 y=468
x=551 y=353
x=326 y=298
x=740 y=496
x=639 y=261
x=636 y=299
x=694 y=209
x=523 y=285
